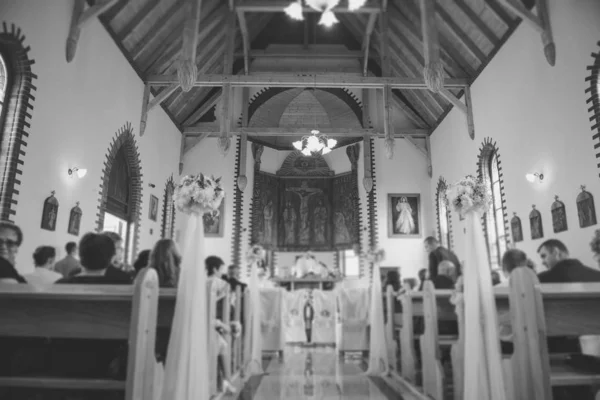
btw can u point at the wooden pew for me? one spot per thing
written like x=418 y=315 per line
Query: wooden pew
x=87 y=312
x=548 y=310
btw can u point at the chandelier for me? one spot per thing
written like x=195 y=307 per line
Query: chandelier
x=315 y=143
x=295 y=9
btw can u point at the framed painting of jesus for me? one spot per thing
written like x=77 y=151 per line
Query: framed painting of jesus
x=404 y=215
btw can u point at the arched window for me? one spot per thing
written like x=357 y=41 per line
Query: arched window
x=168 y=220
x=443 y=214
x=121 y=191
x=494 y=224
x=16 y=103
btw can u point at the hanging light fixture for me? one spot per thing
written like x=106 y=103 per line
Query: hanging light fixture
x=315 y=143
x=328 y=18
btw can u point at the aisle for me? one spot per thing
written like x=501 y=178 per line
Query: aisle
x=314 y=373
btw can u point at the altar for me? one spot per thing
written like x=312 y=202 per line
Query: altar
x=309 y=282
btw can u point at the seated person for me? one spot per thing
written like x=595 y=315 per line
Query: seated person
x=118 y=269
x=96 y=252
x=214 y=266
x=141 y=261
x=561 y=267
x=69 y=265
x=8 y=273
x=44 y=274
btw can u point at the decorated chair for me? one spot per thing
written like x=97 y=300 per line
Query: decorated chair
x=353 y=319
x=293 y=315
x=323 y=326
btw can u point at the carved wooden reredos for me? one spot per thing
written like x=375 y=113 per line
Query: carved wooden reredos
x=305 y=206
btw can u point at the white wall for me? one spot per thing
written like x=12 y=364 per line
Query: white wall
x=78 y=108
x=537 y=115
x=406 y=172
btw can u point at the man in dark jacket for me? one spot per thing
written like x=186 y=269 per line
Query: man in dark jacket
x=437 y=254
x=562 y=268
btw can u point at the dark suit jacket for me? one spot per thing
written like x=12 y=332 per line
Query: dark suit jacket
x=569 y=270
x=443 y=282
x=437 y=256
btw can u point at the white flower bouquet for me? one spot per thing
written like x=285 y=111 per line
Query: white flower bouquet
x=375 y=256
x=256 y=253
x=198 y=194
x=469 y=194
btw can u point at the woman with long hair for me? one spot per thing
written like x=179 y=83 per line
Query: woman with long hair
x=165 y=259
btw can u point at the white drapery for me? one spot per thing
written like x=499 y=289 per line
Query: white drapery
x=378 y=356
x=254 y=367
x=293 y=315
x=483 y=377
x=186 y=374
x=323 y=327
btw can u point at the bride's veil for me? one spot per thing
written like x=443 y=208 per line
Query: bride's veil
x=186 y=369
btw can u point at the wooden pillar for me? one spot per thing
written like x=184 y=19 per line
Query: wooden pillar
x=188 y=70
x=433 y=71
x=242 y=180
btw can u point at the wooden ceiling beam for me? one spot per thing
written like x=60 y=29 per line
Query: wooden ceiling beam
x=160 y=25
x=539 y=22
x=80 y=17
x=412 y=29
x=276 y=6
x=214 y=131
x=337 y=80
x=131 y=26
x=478 y=22
x=408 y=33
x=433 y=70
x=366 y=44
x=169 y=57
x=415 y=118
x=188 y=70
x=301 y=52
x=226 y=103
x=462 y=37
x=466 y=108
x=245 y=39
x=423 y=99
x=203 y=109
x=499 y=12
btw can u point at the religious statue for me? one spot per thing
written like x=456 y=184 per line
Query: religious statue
x=341 y=230
x=320 y=215
x=306 y=264
x=309 y=315
x=290 y=220
x=304 y=192
x=405 y=222
x=268 y=221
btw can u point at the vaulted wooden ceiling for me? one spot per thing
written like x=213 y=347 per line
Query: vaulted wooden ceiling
x=149 y=33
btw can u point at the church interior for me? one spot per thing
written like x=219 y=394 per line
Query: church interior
x=340 y=258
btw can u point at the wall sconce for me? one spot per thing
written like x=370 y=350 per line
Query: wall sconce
x=532 y=177
x=152 y=185
x=80 y=172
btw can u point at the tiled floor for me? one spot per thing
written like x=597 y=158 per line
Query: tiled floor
x=314 y=373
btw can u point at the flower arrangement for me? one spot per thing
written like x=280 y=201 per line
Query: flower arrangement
x=256 y=253
x=469 y=194
x=236 y=328
x=595 y=243
x=375 y=256
x=197 y=194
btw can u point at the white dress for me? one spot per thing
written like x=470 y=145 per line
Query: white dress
x=405 y=223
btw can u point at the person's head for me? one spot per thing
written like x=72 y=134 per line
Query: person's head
x=142 y=260
x=495 y=278
x=552 y=251
x=514 y=258
x=410 y=282
x=214 y=265
x=44 y=256
x=11 y=238
x=431 y=244
x=71 y=248
x=234 y=271
x=403 y=199
x=422 y=274
x=393 y=278
x=96 y=251
x=119 y=249
x=262 y=269
x=166 y=260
